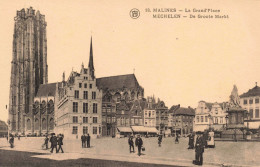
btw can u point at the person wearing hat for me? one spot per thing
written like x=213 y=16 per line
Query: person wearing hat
x=139 y=144
x=53 y=141
x=46 y=141
x=88 y=141
x=159 y=140
x=60 y=143
x=191 y=141
x=199 y=149
x=131 y=143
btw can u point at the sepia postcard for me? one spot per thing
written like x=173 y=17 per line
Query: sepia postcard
x=112 y=83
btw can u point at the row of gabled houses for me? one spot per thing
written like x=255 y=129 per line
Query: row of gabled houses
x=241 y=112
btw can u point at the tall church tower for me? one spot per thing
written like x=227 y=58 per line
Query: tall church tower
x=29 y=67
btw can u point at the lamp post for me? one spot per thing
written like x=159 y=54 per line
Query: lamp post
x=226 y=117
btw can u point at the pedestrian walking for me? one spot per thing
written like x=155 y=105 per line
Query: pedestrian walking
x=53 y=141
x=11 y=141
x=177 y=139
x=139 y=144
x=131 y=143
x=18 y=137
x=199 y=149
x=159 y=140
x=60 y=143
x=88 y=141
x=46 y=141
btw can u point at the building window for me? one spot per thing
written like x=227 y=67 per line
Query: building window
x=85 y=107
x=250 y=101
x=221 y=120
x=90 y=86
x=136 y=121
x=85 y=94
x=103 y=118
x=94 y=130
x=85 y=130
x=201 y=118
x=74 y=130
x=75 y=106
x=76 y=94
x=113 y=119
x=257 y=113
x=109 y=120
x=85 y=85
x=94 y=119
x=257 y=100
x=245 y=101
x=94 y=107
x=198 y=119
x=251 y=113
x=85 y=119
x=93 y=95
x=80 y=85
x=75 y=119
x=206 y=118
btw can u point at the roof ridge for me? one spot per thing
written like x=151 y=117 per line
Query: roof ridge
x=116 y=76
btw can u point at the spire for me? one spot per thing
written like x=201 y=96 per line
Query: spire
x=90 y=64
x=63 y=77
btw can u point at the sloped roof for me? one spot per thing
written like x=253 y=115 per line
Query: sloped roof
x=209 y=105
x=252 y=92
x=46 y=90
x=2 y=123
x=117 y=82
x=173 y=108
x=184 y=111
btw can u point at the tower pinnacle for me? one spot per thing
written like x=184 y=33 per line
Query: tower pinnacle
x=91 y=63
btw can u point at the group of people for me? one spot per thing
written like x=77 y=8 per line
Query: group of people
x=85 y=139
x=55 y=141
x=138 y=144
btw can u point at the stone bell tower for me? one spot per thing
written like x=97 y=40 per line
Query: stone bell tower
x=29 y=68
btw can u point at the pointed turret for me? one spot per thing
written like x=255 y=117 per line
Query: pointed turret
x=91 y=63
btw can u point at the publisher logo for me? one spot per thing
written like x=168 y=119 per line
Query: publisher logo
x=134 y=13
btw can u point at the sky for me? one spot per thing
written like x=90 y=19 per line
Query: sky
x=181 y=61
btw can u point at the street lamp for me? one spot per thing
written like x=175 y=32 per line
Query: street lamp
x=226 y=117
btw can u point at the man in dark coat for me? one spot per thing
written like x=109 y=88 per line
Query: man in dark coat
x=88 y=141
x=199 y=149
x=191 y=141
x=46 y=141
x=131 y=143
x=139 y=144
x=53 y=141
x=60 y=143
x=159 y=140
x=82 y=141
x=11 y=141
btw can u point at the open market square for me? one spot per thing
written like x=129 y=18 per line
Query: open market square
x=117 y=150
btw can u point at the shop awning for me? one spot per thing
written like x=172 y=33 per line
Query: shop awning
x=144 y=129
x=124 y=129
x=152 y=130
